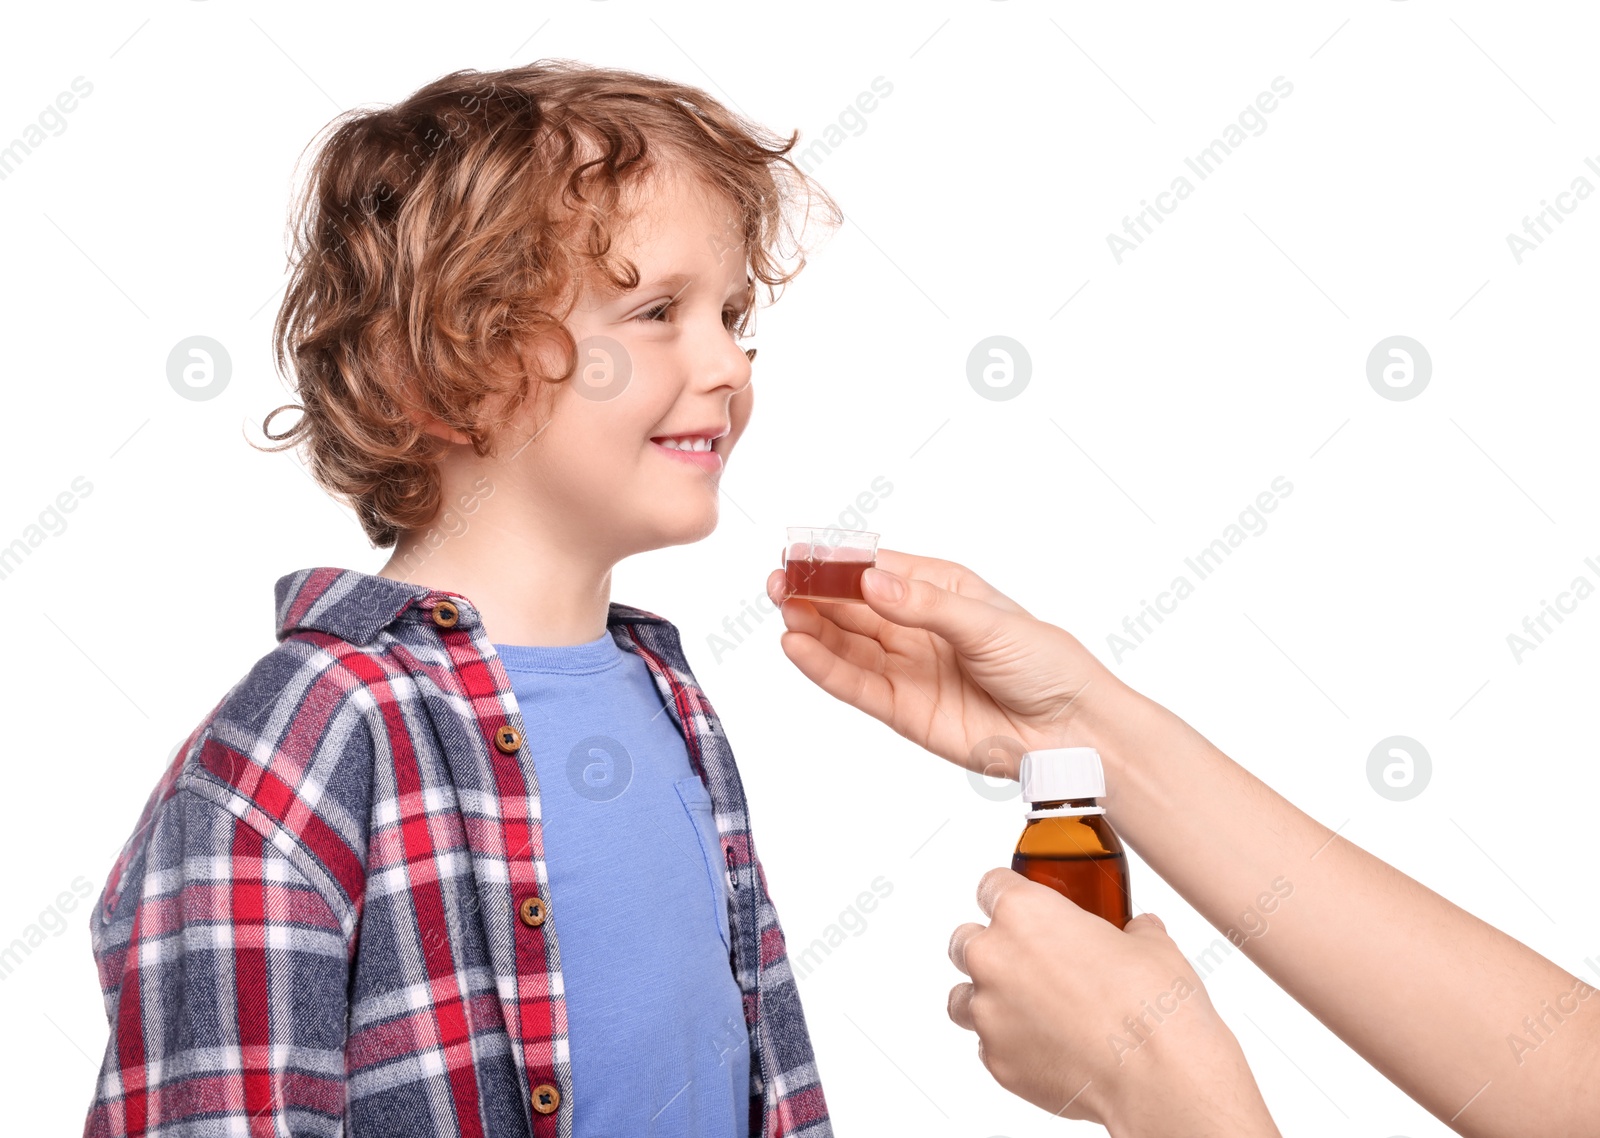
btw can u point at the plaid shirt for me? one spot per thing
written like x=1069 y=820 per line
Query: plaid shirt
x=334 y=916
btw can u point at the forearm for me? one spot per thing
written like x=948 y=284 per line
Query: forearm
x=1424 y=991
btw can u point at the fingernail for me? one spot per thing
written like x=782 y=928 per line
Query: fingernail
x=885 y=584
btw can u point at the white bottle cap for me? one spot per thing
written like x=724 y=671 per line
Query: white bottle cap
x=1061 y=774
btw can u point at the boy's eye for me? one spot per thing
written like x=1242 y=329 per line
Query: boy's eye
x=735 y=320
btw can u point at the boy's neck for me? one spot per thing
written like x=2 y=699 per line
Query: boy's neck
x=535 y=597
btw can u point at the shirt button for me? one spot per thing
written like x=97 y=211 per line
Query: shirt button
x=546 y=1098
x=445 y=614
x=508 y=740
x=532 y=912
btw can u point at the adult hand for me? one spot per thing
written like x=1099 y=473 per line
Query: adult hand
x=951 y=662
x=1090 y=1022
x=946 y=660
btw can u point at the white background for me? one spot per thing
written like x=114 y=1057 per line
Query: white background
x=1227 y=350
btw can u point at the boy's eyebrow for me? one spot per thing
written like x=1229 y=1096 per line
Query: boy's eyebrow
x=680 y=281
x=675 y=281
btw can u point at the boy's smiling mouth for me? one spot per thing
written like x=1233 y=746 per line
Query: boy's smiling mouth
x=696 y=448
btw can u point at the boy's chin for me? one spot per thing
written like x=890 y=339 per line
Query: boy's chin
x=685 y=527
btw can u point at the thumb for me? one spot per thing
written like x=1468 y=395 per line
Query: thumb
x=968 y=624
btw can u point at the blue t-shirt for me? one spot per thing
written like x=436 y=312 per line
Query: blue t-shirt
x=638 y=898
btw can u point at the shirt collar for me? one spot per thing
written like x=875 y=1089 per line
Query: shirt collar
x=356 y=606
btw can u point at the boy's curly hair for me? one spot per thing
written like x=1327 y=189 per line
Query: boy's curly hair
x=437 y=239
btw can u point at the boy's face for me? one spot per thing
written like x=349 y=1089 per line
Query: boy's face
x=661 y=361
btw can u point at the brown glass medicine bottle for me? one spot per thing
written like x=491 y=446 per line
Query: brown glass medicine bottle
x=1067 y=843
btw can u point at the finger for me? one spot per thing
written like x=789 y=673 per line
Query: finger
x=800 y=613
x=778 y=593
x=777 y=587
x=851 y=647
x=958 y=944
x=858 y=619
x=970 y=625
x=949 y=575
x=1147 y=925
x=994 y=884
x=959 y=1006
x=844 y=680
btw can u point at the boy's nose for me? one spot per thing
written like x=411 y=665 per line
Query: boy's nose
x=727 y=366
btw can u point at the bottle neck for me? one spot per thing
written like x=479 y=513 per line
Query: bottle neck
x=1065 y=808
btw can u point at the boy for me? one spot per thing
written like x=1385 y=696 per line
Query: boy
x=467 y=853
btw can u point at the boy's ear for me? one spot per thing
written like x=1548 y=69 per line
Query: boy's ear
x=396 y=372
x=441 y=431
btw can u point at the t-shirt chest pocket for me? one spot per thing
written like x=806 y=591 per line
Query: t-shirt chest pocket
x=697 y=803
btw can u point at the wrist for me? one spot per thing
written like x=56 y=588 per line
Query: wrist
x=1118 y=722
x=1209 y=1092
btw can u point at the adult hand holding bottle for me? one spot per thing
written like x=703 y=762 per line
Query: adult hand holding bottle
x=1119 y=1031
x=1424 y=991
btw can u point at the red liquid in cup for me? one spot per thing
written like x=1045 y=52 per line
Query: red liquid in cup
x=824 y=580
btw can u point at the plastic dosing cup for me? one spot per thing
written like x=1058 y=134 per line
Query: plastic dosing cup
x=825 y=564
